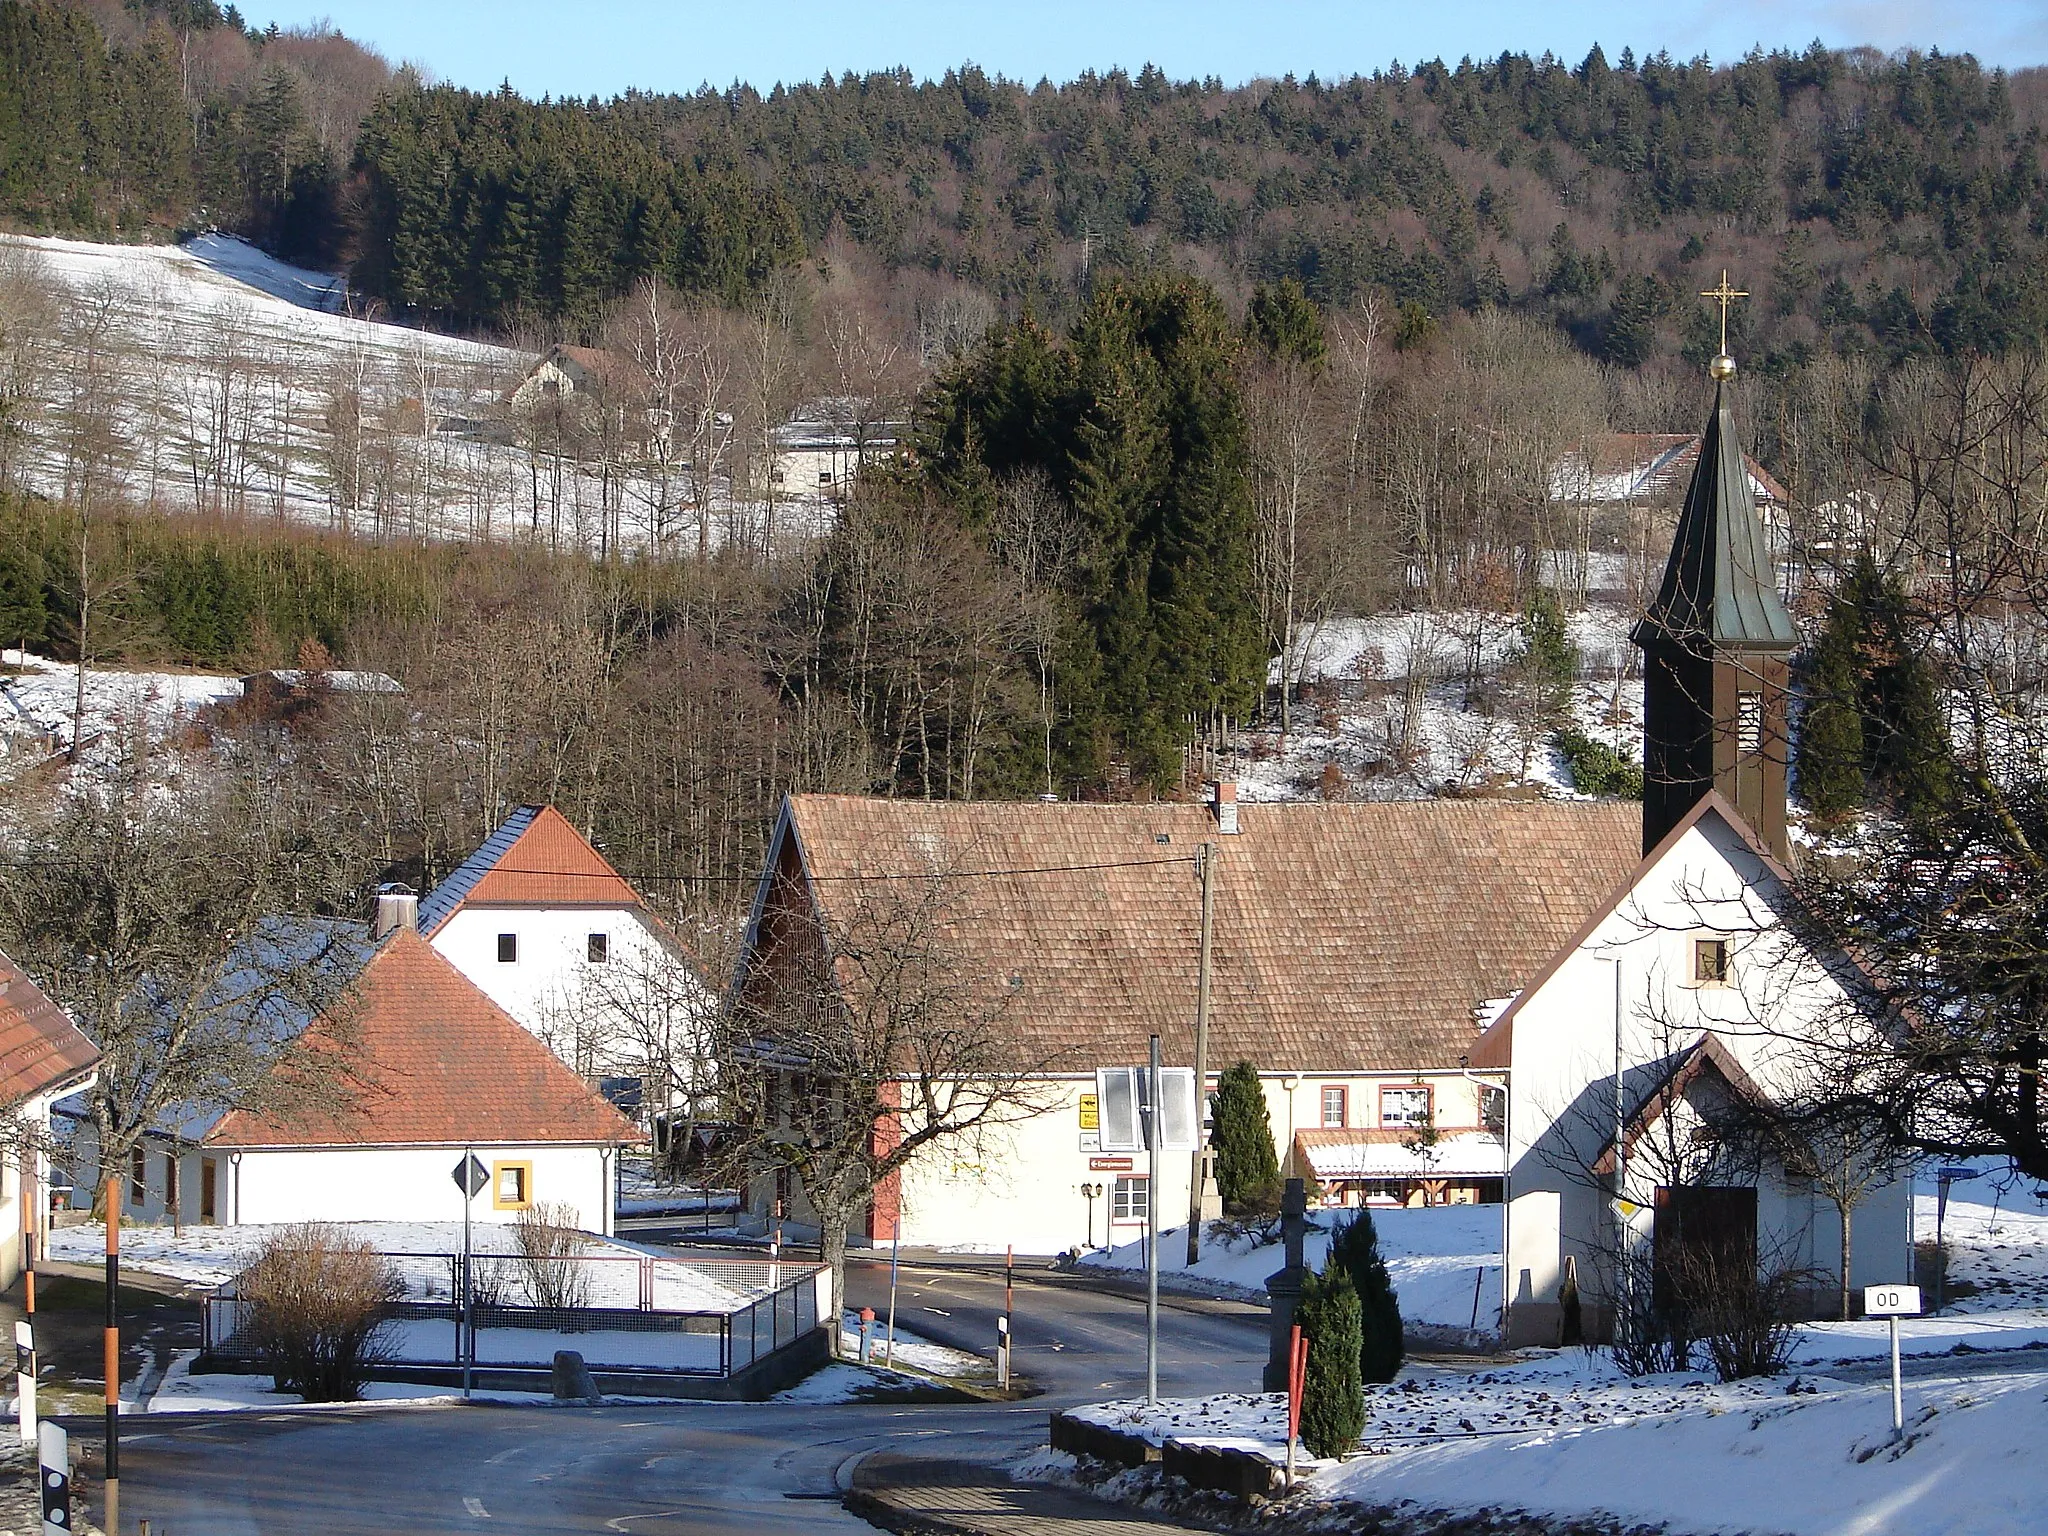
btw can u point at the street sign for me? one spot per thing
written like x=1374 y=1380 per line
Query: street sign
x=1126 y=1108
x=1109 y=1165
x=1091 y=1117
x=470 y=1176
x=1891 y=1301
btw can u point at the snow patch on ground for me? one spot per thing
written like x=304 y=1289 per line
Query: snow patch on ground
x=1797 y=1456
x=1438 y=1257
x=38 y=700
x=915 y=1353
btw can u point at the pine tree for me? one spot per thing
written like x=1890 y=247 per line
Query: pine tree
x=1333 y=1396
x=1831 y=728
x=1356 y=1248
x=1246 y=1168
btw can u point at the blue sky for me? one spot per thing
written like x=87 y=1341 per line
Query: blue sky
x=605 y=46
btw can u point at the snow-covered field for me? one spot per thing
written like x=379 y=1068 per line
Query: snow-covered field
x=212 y=377
x=1403 y=711
x=1437 y=1258
x=39 y=699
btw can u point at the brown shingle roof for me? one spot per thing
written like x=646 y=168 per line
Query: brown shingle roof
x=1356 y=937
x=439 y=1064
x=40 y=1048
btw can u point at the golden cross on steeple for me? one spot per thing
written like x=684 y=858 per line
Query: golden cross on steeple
x=1726 y=296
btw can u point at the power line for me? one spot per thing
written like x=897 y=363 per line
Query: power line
x=936 y=874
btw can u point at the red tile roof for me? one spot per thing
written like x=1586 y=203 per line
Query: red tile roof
x=434 y=1062
x=1357 y=937
x=40 y=1048
x=536 y=859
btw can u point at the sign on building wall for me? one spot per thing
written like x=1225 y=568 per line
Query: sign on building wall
x=1091 y=1113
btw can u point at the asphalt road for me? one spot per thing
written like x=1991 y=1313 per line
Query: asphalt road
x=654 y=1469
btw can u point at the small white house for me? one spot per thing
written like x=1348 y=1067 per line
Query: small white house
x=43 y=1057
x=428 y=1069
x=542 y=923
x=1685 y=989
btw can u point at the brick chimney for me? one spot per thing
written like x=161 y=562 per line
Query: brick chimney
x=397 y=907
x=1225 y=806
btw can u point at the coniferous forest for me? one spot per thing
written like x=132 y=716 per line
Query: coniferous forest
x=1896 y=204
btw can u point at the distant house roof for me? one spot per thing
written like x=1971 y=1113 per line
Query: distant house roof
x=535 y=858
x=41 y=1050
x=1389 y=1154
x=1720 y=583
x=1345 y=936
x=291 y=679
x=432 y=1061
x=1631 y=466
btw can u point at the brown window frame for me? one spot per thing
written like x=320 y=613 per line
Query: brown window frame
x=1428 y=1105
x=1343 y=1102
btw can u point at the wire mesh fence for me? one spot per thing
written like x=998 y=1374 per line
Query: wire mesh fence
x=619 y=1311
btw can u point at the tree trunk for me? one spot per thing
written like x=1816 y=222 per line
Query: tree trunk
x=832 y=1251
x=1843 y=1209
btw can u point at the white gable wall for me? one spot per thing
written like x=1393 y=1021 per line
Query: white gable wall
x=1562 y=1084
x=545 y=987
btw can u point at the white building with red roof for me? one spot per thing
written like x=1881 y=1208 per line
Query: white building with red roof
x=555 y=936
x=428 y=1069
x=43 y=1056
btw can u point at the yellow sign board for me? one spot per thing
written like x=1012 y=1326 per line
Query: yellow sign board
x=1091 y=1114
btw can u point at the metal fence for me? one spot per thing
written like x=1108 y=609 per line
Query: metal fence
x=621 y=1312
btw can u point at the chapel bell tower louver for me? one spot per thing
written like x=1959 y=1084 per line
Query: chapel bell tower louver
x=1715 y=644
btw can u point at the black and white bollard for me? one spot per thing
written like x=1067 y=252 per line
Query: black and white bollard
x=25 y=1377
x=53 y=1452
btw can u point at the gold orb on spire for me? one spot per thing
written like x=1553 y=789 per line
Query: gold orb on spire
x=1722 y=368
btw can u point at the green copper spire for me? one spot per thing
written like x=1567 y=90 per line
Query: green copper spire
x=1719 y=587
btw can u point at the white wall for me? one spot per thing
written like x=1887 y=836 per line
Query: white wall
x=1021 y=1183
x=405 y=1184
x=1561 y=1105
x=545 y=988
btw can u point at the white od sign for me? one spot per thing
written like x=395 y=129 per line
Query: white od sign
x=1891 y=1301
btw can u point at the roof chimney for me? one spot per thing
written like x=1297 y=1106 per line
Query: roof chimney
x=1226 y=807
x=397 y=907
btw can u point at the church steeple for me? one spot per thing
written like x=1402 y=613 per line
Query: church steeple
x=1715 y=643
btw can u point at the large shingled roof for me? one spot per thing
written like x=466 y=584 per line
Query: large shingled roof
x=1347 y=937
x=40 y=1048
x=432 y=1061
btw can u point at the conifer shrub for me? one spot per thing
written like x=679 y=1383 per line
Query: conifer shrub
x=1333 y=1397
x=1247 y=1171
x=1355 y=1247
x=1597 y=769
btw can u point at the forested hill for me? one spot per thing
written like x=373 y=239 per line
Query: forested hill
x=1869 y=202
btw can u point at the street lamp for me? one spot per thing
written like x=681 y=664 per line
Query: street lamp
x=1089 y=1192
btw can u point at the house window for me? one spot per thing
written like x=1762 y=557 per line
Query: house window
x=138 y=1176
x=1333 y=1107
x=511 y=1186
x=1128 y=1199
x=1749 y=723
x=1404 y=1106
x=508 y=948
x=171 y=1180
x=824 y=477
x=1710 y=962
x=598 y=948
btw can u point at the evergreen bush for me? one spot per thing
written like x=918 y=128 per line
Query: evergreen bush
x=1355 y=1247
x=1333 y=1397
x=1596 y=768
x=1247 y=1171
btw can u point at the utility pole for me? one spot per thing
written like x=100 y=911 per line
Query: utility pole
x=1197 y=1184
x=113 y=1510
x=1152 y=1229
